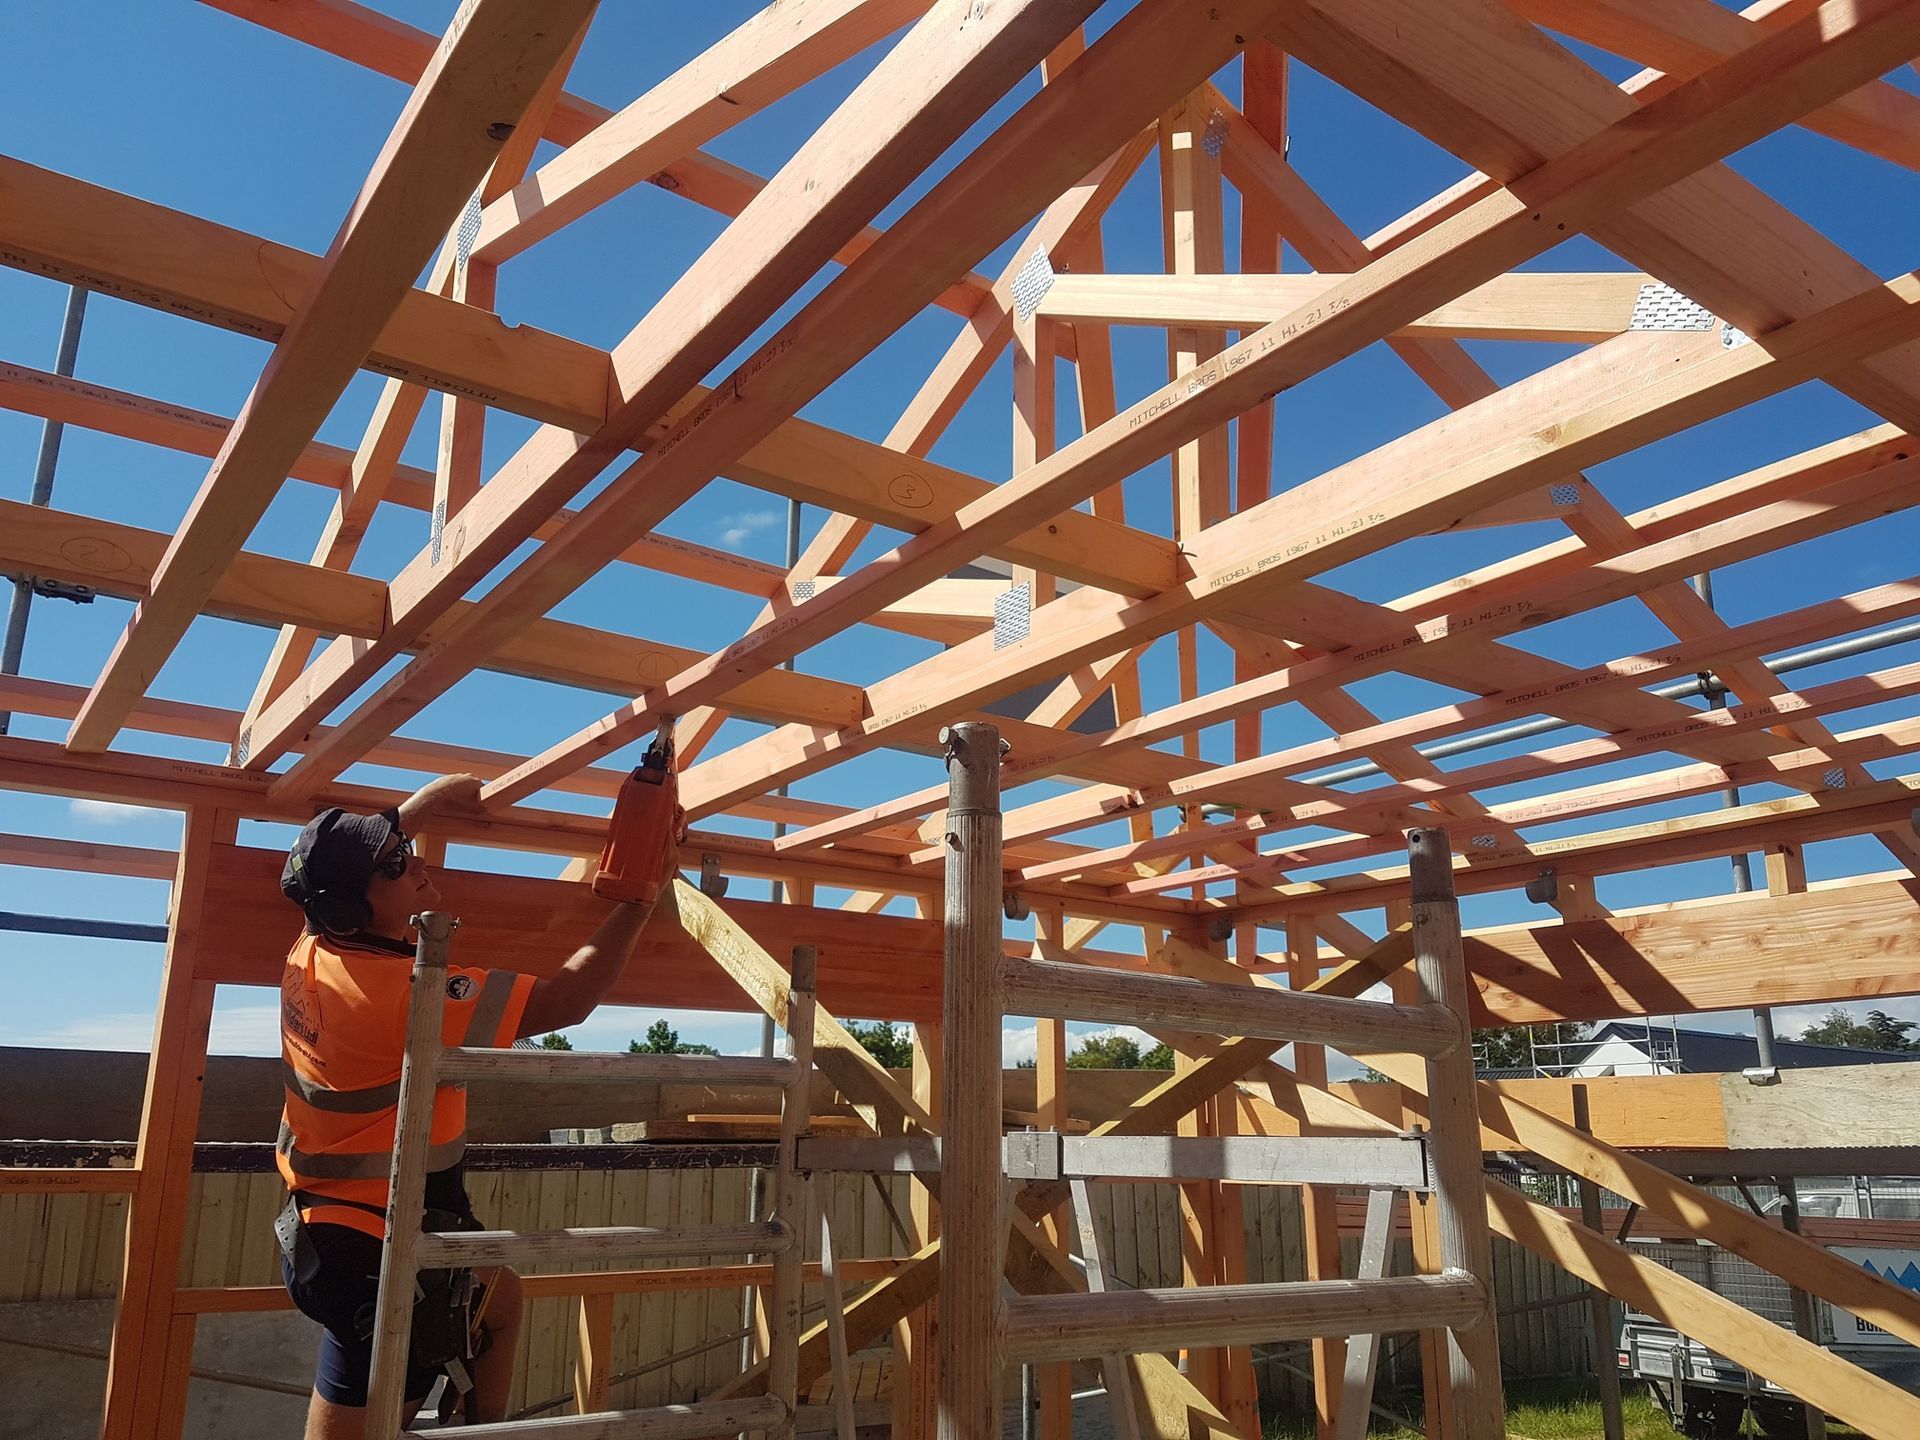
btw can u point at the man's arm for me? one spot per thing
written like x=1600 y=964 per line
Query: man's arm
x=569 y=996
x=449 y=794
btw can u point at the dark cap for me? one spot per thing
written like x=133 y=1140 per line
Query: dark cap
x=333 y=857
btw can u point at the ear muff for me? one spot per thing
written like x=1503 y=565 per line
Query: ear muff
x=330 y=911
x=339 y=914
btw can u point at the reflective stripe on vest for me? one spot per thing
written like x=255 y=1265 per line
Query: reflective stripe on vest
x=369 y=1165
x=340 y=1102
x=495 y=991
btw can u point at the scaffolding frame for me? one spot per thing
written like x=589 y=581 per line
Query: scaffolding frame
x=1056 y=633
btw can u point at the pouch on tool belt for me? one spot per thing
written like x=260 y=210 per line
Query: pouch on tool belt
x=442 y=1330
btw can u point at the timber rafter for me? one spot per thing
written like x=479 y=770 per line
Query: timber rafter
x=1222 y=670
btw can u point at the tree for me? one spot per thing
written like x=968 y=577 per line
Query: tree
x=1891 y=1034
x=1879 y=1031
x=555 y=1041
x=890 y=1044
x=1511 y=1047
x=1113 y=1052
x=1105 y=1052
x=1118 y=1052
x=663 y=1039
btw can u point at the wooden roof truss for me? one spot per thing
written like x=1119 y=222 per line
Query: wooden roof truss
x=1040 y=582
x=1637 y=166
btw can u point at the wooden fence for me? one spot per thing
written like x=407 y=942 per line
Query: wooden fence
x=68 y=1247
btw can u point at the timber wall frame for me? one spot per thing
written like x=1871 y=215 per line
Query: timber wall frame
x=1728 y=297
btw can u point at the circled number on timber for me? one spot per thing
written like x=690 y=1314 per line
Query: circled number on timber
x=654 y=666
x=95 y=553
x=910 y=491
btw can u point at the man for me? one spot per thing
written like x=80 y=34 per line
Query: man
x=344 y=998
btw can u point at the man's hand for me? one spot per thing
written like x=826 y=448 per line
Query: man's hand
x=449 y=795
x=670 y=864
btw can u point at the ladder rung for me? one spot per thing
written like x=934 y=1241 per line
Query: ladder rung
x=1397 y=1162
x=665 y=1422
x=1079 y=1326
x=1061 y=991
x=461 y=1063
x=619 y=1244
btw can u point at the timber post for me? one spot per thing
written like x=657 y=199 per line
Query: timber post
x=972 y=1225
x=1606 y=1370
x=1466 y=1245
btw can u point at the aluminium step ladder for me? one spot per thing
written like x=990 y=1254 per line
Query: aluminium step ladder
x=981 y=1330
x=407 y=1250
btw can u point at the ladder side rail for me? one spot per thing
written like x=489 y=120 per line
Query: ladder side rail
x=1115 y=1370
x=1363 y=1350
x=1466 y=1243
x=407 y=1180
x=970 y=1347
x=790 y=1194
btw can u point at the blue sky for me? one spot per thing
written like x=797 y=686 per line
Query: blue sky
x=195 y=109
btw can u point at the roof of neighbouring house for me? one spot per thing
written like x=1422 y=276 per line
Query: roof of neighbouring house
x=1710 y=1051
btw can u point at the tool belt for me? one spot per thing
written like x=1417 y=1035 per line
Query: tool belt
x=446 y=1303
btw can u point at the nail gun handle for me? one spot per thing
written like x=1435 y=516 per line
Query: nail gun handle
x=644 y=833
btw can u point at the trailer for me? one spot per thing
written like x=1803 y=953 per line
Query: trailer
x=1705 y=1393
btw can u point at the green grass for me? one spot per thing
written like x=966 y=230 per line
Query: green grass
x=1536 y=1410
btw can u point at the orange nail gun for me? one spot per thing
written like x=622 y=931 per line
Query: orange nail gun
x=646 y=828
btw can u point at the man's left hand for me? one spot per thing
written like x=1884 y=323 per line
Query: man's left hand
x=448 y=795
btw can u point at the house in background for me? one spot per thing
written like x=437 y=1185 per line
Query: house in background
x=1635 y=1047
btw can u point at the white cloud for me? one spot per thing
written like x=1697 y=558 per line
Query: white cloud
x=106 y=812
x=1134 y=1033
x=612 y=1026
x=1790 y=1022
x=121 y=1030
x=236 y=1030
x=734 y=529
x=245 y=1030
x=254 y=1029
x=1019 y=1044
x=1339 y=1067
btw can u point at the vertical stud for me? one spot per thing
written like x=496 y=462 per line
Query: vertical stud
x=973 y=1228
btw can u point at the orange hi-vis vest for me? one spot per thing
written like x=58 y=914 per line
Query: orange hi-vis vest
x=343 y=1027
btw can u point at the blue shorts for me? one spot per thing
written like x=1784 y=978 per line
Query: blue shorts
x=340 y=1298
